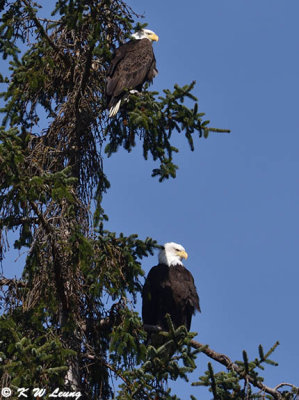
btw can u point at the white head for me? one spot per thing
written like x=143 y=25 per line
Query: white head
x=145 y=33
x=172 y=254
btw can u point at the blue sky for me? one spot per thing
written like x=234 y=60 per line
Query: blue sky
x=235 y=202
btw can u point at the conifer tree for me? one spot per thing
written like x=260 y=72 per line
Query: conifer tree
x=57 y=328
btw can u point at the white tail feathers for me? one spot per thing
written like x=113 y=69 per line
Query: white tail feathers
x=114 y=109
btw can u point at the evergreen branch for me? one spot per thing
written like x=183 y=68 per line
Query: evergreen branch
x=116 y=371
x=84 y=77
x=47 y=20
x=213 y=383
x=43 y=32
x=224 y=360
x=110 y=367
x=218 y=130
x=56 y=261
x=230 y=365
x=15 y=221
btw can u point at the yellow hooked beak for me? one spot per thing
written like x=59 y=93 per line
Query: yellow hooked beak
x=154 y=37
x=182 y=254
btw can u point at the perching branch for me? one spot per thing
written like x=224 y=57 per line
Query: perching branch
x=227 y=362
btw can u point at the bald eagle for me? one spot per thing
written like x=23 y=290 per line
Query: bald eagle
x=133 y=64
x=169 y=288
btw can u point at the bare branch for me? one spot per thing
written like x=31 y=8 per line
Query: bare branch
x=286 y=384
x=47 y=227
x=12 y=282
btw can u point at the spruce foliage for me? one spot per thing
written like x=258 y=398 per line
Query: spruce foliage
x=69 y=321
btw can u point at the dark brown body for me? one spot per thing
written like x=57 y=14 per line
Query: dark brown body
x=133 y=64
x=169 y=290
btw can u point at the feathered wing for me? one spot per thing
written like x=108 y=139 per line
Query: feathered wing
x=185 y=294
x=133 y=64
x=150 y=297
x=148 y=304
